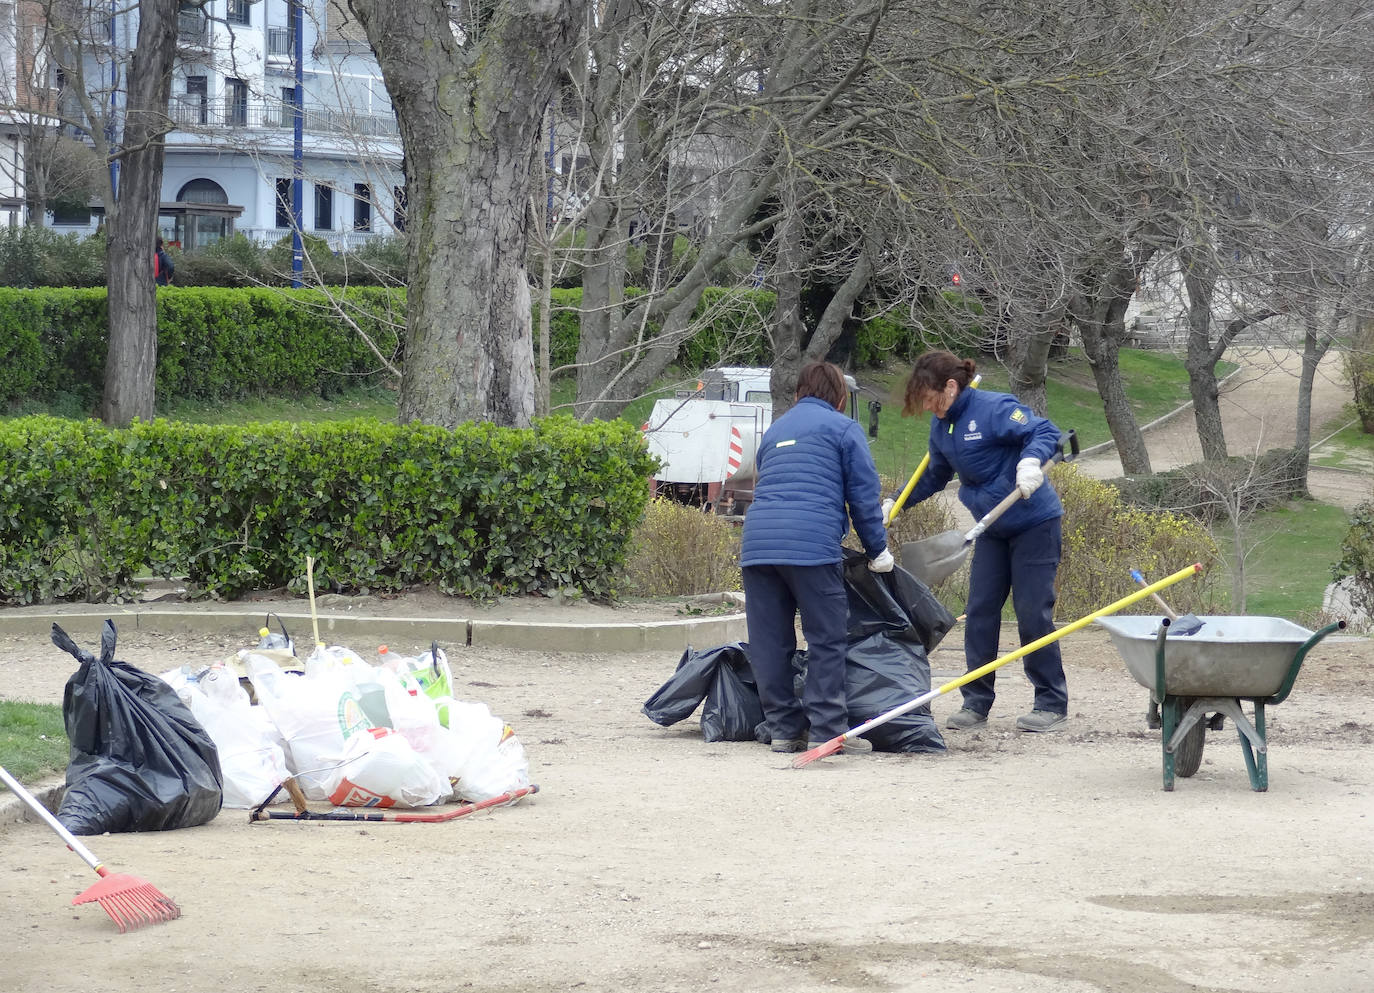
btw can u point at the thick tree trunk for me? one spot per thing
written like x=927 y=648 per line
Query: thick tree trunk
x=840 y=308
x=131 y=223
x=470 y=110
x=1103 y=352
x=788 y=330
x=1315 y=344
x=1031 y=360
x=1101 y=325
x=1201 y=364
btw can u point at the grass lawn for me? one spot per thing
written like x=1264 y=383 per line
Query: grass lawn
x=1289 y=566
x=33 y=740
x=1343 y=445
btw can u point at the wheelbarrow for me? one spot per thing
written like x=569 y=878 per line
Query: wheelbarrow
x=1230 y=659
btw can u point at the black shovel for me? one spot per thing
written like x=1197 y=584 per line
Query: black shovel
x=934 y=559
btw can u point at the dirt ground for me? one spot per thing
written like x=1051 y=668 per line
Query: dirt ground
x=654 y=861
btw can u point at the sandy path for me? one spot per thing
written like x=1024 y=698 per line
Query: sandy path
x=652 y=861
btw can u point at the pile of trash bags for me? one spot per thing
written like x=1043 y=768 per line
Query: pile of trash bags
x=153 y=753
x=353 y=733
x=894 y=622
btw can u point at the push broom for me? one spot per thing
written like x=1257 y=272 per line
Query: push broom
x=130 y=901
x=836 y=743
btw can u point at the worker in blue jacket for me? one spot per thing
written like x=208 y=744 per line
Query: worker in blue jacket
x=996 y=444
x=815 y=475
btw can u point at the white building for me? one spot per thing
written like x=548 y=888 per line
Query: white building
x=230 y=163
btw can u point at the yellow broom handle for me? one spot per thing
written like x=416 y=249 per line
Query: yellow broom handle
x=1040 y=643
x=925 y=461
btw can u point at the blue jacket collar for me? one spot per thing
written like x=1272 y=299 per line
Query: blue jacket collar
x=957 y=408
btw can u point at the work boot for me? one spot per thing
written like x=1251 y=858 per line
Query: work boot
x=851 y=746
x=1041 y=720
x=789 y=744
x=965 y=720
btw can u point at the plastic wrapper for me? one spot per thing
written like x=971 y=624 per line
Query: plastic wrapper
x=140 y=761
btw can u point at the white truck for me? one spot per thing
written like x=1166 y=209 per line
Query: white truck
x=707 y=438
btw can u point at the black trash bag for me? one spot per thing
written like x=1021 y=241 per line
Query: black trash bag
x=139 y=760
x=722 y=678
x=895 y=603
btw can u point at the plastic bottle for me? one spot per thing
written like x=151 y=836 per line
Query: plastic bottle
x=267 y=638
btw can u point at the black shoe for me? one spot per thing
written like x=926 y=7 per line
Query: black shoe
x=789 y=744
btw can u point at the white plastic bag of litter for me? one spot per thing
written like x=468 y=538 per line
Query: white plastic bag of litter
x=315 y=714
x=380 y=769
x=251 y=761
x=493 y=760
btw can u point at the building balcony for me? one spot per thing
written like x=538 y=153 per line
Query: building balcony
x=193 y=28
x=278 y=45
x=194 y=114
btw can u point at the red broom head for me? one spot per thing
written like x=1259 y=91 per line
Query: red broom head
x=131 y=902
x=819 y=752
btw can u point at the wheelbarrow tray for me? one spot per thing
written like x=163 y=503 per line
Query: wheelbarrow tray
x=1231 y=656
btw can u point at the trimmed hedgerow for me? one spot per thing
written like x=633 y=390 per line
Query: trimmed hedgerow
x=476 y=511
x=213 y=343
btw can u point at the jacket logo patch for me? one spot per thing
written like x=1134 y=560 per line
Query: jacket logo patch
x=1018 y=415
x=972 y=424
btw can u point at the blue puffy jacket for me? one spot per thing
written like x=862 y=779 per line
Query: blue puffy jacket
x=812 y=462
x=981 y=437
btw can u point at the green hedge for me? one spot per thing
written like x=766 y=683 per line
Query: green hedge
x=477 y=511
x=213 y=344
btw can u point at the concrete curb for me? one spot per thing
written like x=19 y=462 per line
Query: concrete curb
x=629 y=636
x=15 y=811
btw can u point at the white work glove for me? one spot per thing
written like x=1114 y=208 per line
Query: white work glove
x=882 y=563
x=1029 y=476
x=887 y=509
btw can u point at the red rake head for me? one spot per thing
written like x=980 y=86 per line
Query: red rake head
x=130 y=902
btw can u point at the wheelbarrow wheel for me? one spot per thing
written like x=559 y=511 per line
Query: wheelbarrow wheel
x=1188 y=754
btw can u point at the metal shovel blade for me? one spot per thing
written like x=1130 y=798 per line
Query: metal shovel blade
x=934 y=559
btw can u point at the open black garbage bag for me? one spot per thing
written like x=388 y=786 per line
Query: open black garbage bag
x=894 y=620
x=720 y=677
x=139 y=760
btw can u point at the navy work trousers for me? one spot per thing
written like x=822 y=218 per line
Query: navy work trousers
x=1024 y=565
x=772 y=596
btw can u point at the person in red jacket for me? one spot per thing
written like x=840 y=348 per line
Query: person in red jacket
x=162 y=266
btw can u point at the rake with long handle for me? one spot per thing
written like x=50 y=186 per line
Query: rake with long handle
x=131 y=902
x=835 y=744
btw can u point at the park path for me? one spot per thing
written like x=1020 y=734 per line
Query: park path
x=1259 y=411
